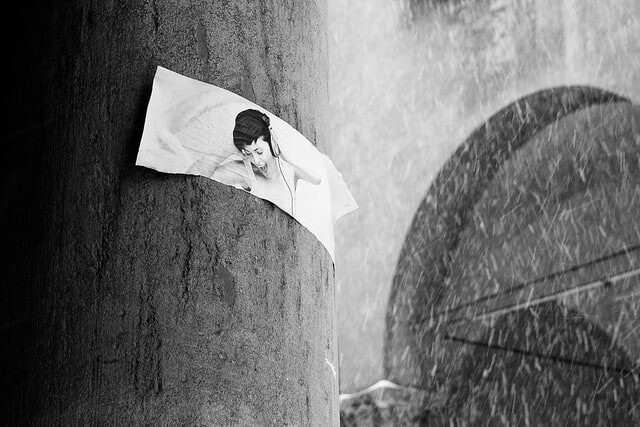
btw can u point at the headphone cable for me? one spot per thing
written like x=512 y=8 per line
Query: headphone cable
x=287 y=184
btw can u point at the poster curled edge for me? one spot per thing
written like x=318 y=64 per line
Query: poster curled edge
x=189 y=129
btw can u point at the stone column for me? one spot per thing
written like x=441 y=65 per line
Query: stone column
x=139 y=298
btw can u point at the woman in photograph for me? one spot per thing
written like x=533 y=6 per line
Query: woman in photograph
x=269 y=174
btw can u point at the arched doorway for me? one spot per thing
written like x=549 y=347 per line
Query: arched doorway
x=532 y=224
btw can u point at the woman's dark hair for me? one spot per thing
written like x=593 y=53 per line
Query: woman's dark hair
x=251 y=125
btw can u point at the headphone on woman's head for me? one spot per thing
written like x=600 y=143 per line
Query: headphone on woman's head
x=273 y=144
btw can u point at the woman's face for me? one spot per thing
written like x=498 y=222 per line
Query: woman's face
x=259 y=154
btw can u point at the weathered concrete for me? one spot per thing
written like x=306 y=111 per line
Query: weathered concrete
x=141 y=298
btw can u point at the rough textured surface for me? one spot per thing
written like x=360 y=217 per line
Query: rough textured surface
x=133 y=297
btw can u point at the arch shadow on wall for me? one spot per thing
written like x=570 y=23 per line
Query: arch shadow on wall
x=536 y=205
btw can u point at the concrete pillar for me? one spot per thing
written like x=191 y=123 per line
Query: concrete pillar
x=135 y=297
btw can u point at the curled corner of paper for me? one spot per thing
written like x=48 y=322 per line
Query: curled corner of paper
x=189 y=129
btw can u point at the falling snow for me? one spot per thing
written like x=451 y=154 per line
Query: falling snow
x=492 y=270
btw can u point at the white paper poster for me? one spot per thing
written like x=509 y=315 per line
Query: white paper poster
x=196 y=128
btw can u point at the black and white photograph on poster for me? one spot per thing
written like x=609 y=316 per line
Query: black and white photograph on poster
x=182 y=240
x=196 y=128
